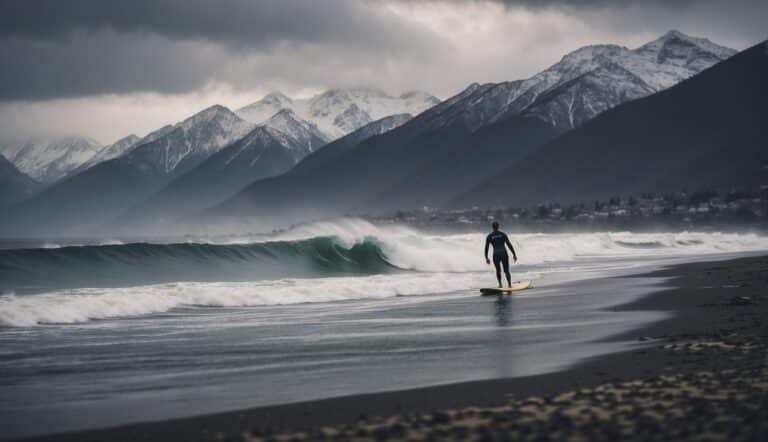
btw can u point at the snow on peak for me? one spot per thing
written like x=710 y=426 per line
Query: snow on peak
x=337 y=112
x=114 y=150
x=284 y=115
x=684 y=51
x=276 y=98
x=265 y=108
x=195 y=138
x=611 y=75
x=583 y=83
x=288 y=122
x=294 y=132
x=352 y=118
x=50 y=159
x=590 y=53
x=214 y=127
x=216 y=114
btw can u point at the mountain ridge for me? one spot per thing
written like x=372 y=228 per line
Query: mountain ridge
x=337 y=111
x=452 y=146
x=49 y=159
x=94 y=197
x=702 y=133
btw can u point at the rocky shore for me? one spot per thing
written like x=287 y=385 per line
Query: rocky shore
x=727 y=405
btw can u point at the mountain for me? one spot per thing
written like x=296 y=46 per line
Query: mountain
x=114 y=150
x=299 y=134
x=270 y=149
x=337 y=112
x=263 y=109
x=47 y=160
x=585 y=83
x=348 y=142
x=458 y=143
x=706 y=132
x=264 y=152
x=14 y=185
x=99 y=194
x=399 y=168
x=189 y=142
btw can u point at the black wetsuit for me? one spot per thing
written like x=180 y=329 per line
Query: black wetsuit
x=499 y=240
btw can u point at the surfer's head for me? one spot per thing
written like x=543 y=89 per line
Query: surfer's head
x=495 y=225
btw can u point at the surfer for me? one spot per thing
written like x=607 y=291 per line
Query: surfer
x=499 y=240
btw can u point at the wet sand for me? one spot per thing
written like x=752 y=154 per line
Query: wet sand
x=703 y=374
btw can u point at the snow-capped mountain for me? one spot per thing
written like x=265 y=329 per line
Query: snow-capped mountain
x=47 y=160
x=190 y=141
x=114 y=150
x=297 y=134
x=708 y=132
x=446 y=149
x=271 y=149
x=100 y=194
x=337 y=112
x=157 y=133
x=351 y=119
x=675 y=57
x=262 y=153
x=261 y=110
x=584 y=83
x=348 y=142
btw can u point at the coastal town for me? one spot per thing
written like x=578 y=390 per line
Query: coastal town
x=705 y=210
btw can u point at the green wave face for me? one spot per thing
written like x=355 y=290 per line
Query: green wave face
x=27 y=270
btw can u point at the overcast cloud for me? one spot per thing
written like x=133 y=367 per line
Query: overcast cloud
x=108 y=68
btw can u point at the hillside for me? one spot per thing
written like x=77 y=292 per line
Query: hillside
x=706 y=132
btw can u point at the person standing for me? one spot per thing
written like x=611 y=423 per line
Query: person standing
x=500 y=242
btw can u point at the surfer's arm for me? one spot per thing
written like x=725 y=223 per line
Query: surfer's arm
x=487 y=244
x=509 y=244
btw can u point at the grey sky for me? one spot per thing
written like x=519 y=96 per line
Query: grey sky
x=108 y=68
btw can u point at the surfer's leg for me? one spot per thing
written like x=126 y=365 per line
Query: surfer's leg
x=505 y=263
x=497 y=264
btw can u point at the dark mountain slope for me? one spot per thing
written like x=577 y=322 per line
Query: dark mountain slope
x=348 y=142
x=465 y=163
x=708 y=131
x=14 y=185
x=406 y=167
x=95 y=197
x=264 y=152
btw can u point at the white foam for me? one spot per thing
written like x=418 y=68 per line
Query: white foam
x=410 y=249
x=81 y=305
x=445 y=263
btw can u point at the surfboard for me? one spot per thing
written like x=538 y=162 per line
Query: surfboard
x=519 y=285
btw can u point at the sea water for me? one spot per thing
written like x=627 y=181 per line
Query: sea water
x=105 y=333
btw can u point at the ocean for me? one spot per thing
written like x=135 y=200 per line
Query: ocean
x=105 y=332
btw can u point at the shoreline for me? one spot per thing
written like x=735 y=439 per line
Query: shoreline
x=720 y=301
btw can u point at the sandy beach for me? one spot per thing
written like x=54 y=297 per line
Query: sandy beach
x=701 y=374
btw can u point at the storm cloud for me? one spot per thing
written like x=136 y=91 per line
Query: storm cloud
x=139 y=56
x=58 y=49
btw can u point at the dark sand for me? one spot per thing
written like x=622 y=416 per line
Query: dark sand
x=702 y=376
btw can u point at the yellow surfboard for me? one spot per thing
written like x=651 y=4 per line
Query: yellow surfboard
x=516 y=286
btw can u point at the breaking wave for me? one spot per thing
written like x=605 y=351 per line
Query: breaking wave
x=142 y=263
x=320 y=262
